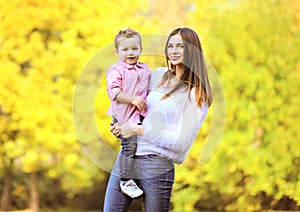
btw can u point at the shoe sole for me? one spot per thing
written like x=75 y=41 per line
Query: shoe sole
x=133 y=197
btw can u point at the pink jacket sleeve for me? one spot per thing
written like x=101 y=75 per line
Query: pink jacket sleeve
x=114 y=82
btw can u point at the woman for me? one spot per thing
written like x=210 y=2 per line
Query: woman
x=177 y=105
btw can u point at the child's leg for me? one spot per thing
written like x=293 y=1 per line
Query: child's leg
x=141 y=119
x=127 y=154
x=127 y=171
x=127 y=158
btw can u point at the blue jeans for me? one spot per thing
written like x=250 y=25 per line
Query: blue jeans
x=126 y=160
x=155 y=176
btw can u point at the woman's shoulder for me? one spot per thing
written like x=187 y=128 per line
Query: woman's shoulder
x=156 y=76
x=161 y=69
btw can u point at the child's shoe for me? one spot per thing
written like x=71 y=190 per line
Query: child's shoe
x=130 y=188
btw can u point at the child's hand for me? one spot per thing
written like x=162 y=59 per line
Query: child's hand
x=139 y=102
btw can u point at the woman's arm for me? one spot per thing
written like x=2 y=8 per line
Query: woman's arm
x=126 y=130
x=176 y=136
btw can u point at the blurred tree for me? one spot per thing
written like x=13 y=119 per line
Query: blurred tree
x=254 y=47
x=40 y=60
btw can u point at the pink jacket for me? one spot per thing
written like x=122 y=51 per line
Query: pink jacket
x=131 y=79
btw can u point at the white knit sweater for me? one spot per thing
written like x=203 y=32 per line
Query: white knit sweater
x=172 y=124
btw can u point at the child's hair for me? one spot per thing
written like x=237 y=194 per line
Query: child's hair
x=126 y=33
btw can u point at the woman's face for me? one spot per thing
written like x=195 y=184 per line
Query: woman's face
x=175 y=49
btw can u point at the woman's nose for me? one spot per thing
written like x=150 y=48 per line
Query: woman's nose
x=174 y=50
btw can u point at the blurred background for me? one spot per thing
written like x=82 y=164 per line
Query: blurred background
x=254 y=48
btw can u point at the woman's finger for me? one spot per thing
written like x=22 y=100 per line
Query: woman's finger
x=112 y=127
x=115 y=129
x=117 y=134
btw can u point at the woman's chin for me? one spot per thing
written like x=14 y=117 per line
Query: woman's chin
x=174 y=63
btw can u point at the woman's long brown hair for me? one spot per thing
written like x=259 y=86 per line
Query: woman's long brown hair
x=194 y=70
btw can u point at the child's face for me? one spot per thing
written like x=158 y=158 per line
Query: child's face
x=129 y=50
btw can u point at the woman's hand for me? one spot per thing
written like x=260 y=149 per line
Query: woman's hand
x=114 y=128
x=127 y=130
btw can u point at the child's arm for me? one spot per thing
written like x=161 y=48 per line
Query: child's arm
x=116 y=93
x=139 y=102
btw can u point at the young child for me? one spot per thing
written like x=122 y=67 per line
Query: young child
x=128 y=82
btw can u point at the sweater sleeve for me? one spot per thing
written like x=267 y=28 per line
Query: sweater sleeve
x=192 y=120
